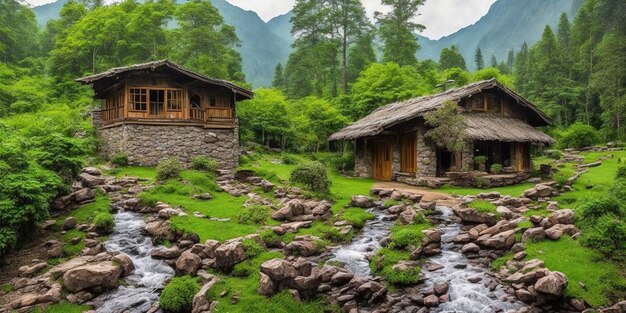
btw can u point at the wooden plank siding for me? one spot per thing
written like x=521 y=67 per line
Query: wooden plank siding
x=408 y=153
x=382 y=159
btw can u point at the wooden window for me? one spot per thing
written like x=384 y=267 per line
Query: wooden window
x=174 y=100
x=477 y=103
x=138 y=100
x=408 y=157
x=195 y=102
x=494 y=103
x=157 y=102
x=213 y=101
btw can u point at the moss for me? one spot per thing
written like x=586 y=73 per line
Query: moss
x=382 y=264
x=403 y=236
x=7 y=288
x=357 y=217
x=178 y=294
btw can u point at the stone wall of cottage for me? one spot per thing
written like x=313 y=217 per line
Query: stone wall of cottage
x=426 y=155
x=96 y=118
x=363 y=160
x=149 y=144
x=467 y=157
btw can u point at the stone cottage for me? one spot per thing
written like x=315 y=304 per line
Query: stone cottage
x=500 y=124
x=156 y=110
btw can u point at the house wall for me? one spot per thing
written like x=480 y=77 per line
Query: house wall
x=363 y=159
x=426 y=154
x=149 y=144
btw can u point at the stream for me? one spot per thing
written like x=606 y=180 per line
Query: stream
x=149 y=275
x=354 y=254
x=464 y=295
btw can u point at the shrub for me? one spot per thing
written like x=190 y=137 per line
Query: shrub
x=621 y=173
x=404 y=236
x=579 y=135
x=104 y=221
x=252 y=248
x=480 y=159
x=178 y=294
x=254 y=215
x=168 y=169
x=120 y=159
x=203 y=163
x=496 y=168
x=148 y=199
x=289 y=159
x=311 y=175
x=596 y=207
x=560 y=178
x=607 y=235
x=341 y=162
x=554 y=154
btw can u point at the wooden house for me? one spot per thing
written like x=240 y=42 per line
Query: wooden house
x=156 y=110
x=500 y=124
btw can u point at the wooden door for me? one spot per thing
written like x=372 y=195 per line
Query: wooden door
x=382 y=159
x=408 y=155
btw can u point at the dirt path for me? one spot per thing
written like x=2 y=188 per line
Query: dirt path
x=427 y=193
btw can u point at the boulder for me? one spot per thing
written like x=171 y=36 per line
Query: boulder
x=125 y=263
x=441 y=288
x=92 y=171
x=229 y=254
x=103 y=275
x=341 y=278
x=524 y=295
x=431 y=301
x=429 y=205
x=84 y=195
x=188 y=263
x=200 y=303
x=408 y=217
x=504 y=212
x=266 y=286
x=279 y=270
x=554 y=284
x=502 y=240
x=473 y=216
x=53 y=248
x=432 y=236
x=302 y=248
x=89 y=181
x=534 y=234
x=470 y=248
x=555 y=232
x=396 y=209
x=267 y=185
x=29 y=271
x=362 y=202
x=167 y=213
x=69 y=223
x=566 y=216
x=166 y=253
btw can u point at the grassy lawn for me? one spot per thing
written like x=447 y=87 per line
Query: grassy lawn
x=514 y=191
x=135 y=171
x=63 y=308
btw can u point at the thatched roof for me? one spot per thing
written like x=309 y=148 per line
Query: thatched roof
x=493 y=127
x=115 y=73
x=399 y=112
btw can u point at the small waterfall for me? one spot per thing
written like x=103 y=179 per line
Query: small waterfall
x=149 y=275
x=354 y=255
x=465 y=296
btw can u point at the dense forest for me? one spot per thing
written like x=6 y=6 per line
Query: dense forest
x=343 y=66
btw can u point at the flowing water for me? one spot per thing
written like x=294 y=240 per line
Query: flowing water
x=354 y=255
x=464 y=295
x=149 y=275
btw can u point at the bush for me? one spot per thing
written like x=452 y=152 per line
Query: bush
x=607 y=235
x=311 y=175
x=579 y=135
x=289 y=159
x=252 y=248
x=621 y=173
x=496 y=168
x=341 y=162
x=407 y=235
x=480 y=159
x=104 y=221
x=120 y=159
x=178 y=294
x=148 y=199
x=554 y=154
x=254 y=215
x=598 y=206
x=560 y=178
x=168 y=169
x=203 y=163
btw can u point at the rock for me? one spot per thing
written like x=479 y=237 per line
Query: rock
x=441 y=288
x=524 y=295
x=504 y=212
x=267 y=185
x=530 y=276
x=308 y=283
x=125 y=263
x=534 y=234
x=431 y=301
x=69 y=223
x=48 y=224
x=362 y=202
x=53 y=248
x=519 y=256
x=84 y=195
x=470 y=248
x=62 y=268
x=429 y=206
x=188 y=263
x=203 y=196
x=302 y=248
x=473 y=216
x=566 y=216
x=166 y=253
x=341 y=278
x=432 y=236
x=92 y=171
x=499 y=241
x=89 y=181
x=555 y=232
x=554 y=283
x=279 y=270
x=159 y=229
x=396 y=209
x=200 y=303
x=474 y=279
x=229 y=254
x=211 y=246
x=408 y=217
x=266 y=286
x=167 y=213
x=29 y=271
x=104 y=275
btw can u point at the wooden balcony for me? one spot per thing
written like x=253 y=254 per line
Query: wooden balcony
x=209 y=118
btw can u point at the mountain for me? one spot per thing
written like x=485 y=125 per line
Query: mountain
x=281 y=26
x=507 y=25
x=261 y=49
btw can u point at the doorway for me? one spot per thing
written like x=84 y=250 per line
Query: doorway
x=444 y=162
x=382 y=159
x=157 y=102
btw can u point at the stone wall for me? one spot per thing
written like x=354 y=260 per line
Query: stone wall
x=363 y=160
x=426 y=156
x=467 y=157
x=149 y=144
x=96 y=118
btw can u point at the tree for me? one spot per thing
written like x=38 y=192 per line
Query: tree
x=279 y=77
x=203 y=42
x=494 y=62
x=18 y=31
x=265 y=117
x=451 y=58
x=324 y=119
x=360 y=56
x=478 y=59
x=397 y=30
x=448 y=127
x=510 y=61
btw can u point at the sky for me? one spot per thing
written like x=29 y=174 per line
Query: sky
x=441 y=17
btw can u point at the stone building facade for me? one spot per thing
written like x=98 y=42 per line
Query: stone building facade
x=150 y=144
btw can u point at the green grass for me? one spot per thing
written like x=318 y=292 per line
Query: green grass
x=604 y=282
x=135 y=171
x=250 y=300
x=357 y=217
x=63 y=308
x=501 y=261
x=403 y=236
x=482 y=206
x=387 y=258
x=7 y=288
x=515 y=190
x=87 y=212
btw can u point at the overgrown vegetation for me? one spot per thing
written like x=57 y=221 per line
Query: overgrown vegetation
x=204 y=163
x=311 y=175
x=178 y=294
x=254 y=215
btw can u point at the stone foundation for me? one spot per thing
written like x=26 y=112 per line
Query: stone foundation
x=149 y=144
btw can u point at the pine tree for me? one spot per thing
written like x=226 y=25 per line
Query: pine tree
x=478 y=59
x=510 y=61
x=451 y=58
x=279 y=77
x=397 y=31
x=494 y=62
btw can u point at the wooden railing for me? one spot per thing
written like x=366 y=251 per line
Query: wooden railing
x=219 y=113
x=112 y=114
x=197 y=114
